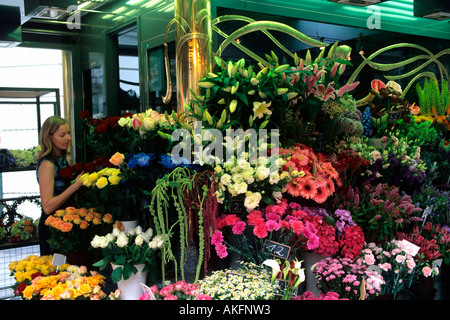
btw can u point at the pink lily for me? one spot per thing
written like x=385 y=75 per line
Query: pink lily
x=347 y=87
x=325 y=94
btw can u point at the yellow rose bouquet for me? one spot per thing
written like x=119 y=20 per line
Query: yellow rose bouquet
x=72 y=229
x=103 y=190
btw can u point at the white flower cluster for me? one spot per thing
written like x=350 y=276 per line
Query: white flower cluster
x=250 y=284
x=133 y=236
x=239 y=176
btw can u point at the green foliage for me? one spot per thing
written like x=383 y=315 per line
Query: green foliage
x=431 y=96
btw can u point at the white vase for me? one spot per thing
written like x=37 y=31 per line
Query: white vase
x=129 y=224
x=309 y=259
x=131 y=289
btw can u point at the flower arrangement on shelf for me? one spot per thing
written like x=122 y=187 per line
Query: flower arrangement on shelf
x=26 y=269
x=398 y=267
x=18 y=158
x=280 y=223
x=437 y=200
x=271 y=94
x=248 y=282
x=329 y=295
x=102 y=190
x=150 y=126
x=313 y=177
x=104 y=135
x=128 y=249
x=431 y=239
x=72 y=229
x=73 y=284
x=180 y=290
x=380 y=210
x=290 y=273
x=71 y=172
x=436 y=233
x=22 y=230
x=345 y=276
x=395 y=160
x=252 y=183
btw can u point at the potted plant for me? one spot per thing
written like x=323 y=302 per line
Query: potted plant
x=131 y=255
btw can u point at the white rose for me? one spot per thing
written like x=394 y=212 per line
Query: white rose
x=139 y=240
x=122 y=240
x=274 y=177
x=95 y=243
x=138 y=230
x=252 y=201
x=262 y=173
x=116 y=232
x=241 y=187
x=225 y=179
x=277 y=195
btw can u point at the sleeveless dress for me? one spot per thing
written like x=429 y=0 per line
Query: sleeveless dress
x=59 y=186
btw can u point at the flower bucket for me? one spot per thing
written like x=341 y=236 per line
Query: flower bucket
x=131 y=289
x=309 y=259
x=129 y=224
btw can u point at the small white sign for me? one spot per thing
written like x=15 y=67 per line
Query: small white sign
x=147 y=290
x=58 y=259
x=409 y=248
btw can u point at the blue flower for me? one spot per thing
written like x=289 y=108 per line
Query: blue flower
x=166 y=161
x=143 y=159
x=132 y=163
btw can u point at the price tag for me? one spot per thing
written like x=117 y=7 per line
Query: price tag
x=278 y=249
x=282 y=288
x=148 y=291
x=409 y=248
x=58 y=259
x=426 y=213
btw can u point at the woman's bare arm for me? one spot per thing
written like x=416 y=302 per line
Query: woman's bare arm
x=49 y=202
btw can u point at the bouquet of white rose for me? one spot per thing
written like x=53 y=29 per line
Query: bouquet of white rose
x=127 y=249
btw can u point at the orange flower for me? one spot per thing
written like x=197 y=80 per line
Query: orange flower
x=84 y=225
x=60 y=213
x=107 y=218
x=118 y=225
x=89 y=216
x=97 y=220
x=308 y=189
x=82 y=212
x=68 y=217
x=76 y=219
x=415 y=110
x=66 y=227
x=70 y=210
x=117 y=159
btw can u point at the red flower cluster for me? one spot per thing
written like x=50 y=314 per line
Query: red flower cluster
x=428 y=247
x=70 y=172
x=103 y=124
x=351 y=242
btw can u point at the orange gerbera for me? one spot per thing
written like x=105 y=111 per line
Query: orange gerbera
x=308 y=189
x=321 y=195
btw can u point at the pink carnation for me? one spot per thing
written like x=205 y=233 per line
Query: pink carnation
x=260 y=231
x=221 y=251
x=217 y=238
x=239 y=227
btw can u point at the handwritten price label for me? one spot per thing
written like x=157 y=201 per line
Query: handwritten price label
x=409 y=248
x=278 y=249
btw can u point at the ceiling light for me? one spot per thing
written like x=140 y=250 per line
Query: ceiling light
x=360 y=3
x=432 y=9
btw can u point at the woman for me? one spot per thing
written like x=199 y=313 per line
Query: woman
x=54 y=139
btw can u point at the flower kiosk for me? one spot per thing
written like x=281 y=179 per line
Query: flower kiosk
x=271 y=181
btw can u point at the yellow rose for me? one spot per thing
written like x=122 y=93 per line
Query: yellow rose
x=93 y=176
x=101 y=183
x=114 y=180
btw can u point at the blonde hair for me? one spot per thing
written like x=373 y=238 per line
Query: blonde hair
x=49 y=127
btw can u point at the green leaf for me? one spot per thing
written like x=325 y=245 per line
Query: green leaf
x=116 y=275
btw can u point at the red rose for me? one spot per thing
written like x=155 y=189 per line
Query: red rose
x=101 y=128
x=66 y=173
x=84 y=114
